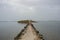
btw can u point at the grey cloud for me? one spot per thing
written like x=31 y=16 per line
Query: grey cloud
x=41 y=2
x=30 y=9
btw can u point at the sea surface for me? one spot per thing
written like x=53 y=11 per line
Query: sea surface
x=49 y=29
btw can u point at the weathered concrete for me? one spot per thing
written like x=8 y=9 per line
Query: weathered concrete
x=29 y=33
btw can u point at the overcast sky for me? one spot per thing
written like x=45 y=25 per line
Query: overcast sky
x=12 y=10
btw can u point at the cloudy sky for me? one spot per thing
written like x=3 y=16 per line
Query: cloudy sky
x=12 y=10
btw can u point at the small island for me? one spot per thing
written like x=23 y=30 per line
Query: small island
x=26 y=21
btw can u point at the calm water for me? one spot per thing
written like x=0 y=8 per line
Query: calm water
x=49 y=29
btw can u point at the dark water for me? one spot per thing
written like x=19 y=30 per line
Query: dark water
x=49 y=29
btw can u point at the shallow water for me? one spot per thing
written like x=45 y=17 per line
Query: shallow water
x=49 y=29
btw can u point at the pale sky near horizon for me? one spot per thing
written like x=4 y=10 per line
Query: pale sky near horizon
x=12 y=10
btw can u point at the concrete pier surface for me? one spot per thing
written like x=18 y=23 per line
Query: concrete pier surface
x=29 y=33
